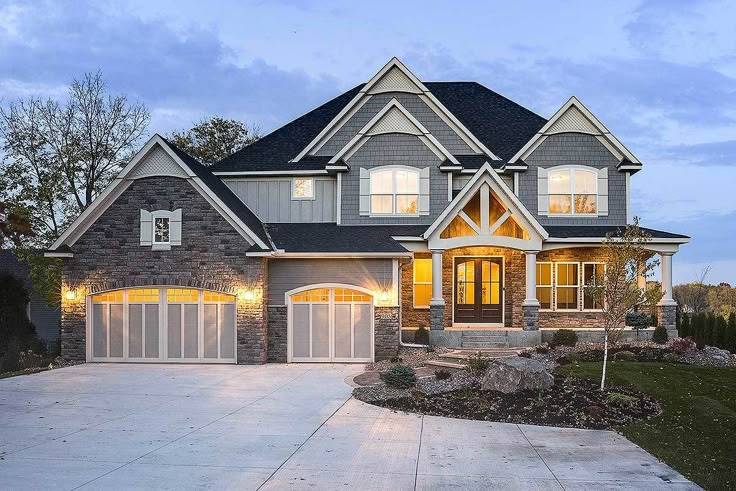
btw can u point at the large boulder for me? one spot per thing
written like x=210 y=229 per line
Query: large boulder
x=509 y=375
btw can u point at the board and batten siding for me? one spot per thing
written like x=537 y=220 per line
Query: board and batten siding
x=387 y=150
x=287 y=274
x=574 y=149
x=270 y=199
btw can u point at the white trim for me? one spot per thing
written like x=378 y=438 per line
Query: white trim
x=394 y=194
x=557 y=285
x=58 y=254
x=328 y=132
x=302 y=198
x=328 y=255
x=407 y=238
x=628 y=197
x=273 y=173
x=571 y=174
x=502 y=292
x=338 y=198
x=551 y=286
x=538 y=138
x=121 y=183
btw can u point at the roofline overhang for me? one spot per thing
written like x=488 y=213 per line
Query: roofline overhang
x=58 y=254
x=313 y=172
x=328 y=255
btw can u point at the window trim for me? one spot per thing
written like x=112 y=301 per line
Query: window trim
x=415 y=283
x=393 y=194
x=155 y=245
x=577 y=285
x=293 y=189
x=551 y=286
x=570 y=169
x=582 y=287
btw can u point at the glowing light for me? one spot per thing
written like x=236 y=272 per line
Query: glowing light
x=249 y=295
x=384 y=296
x=70 y=295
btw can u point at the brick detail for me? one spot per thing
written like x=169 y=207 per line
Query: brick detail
x=277 y=329
x=667 y=317
x=437 y=317
x=211 y=256
x=386 y=335
x=531 y=317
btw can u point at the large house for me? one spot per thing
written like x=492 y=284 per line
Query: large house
x=398 y=204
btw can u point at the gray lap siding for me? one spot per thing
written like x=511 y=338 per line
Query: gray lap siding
x=211 y=256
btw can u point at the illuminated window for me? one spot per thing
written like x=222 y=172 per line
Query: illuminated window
x=593 y=276
x=422 y=282
x=302 y=188
x=316 y=295
x=217 y=297
x=182 y=295
x=143 y=295
x=394 y=191
x=544 y=285
x=109 y=297
x=345 y=295
x=573 y=191
x=568 y=286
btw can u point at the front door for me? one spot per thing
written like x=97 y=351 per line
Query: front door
x=478 y=290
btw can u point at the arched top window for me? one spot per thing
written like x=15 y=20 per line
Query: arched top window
x=573 y=191
x=394 y=191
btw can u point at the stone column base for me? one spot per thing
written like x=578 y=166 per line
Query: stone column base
x=386 y=332
x=667 y=317
x=436 y=317
x=531 y=317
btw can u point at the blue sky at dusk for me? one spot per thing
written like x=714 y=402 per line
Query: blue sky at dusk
x=661 y=75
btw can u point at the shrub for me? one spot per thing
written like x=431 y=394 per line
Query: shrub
x=681 y=345
x=638 y=320
x=542 y=350
x=684 y=330
x=396 y=359
x=624 y=356
x=477 y=365
x=9 y=356
x=731 y=334
x=660 y=335
x=421 y=336
x=17 y=333
x=564 y=337
x=399 y=376
x=442 y=374
x=710 y=329
x=720 y=333
x=29 y=359
x=619 y=400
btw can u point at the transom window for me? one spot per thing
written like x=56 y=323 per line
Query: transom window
x=573 y=191
x=302 y=188
x=422 y=282
x=394 y=191
x=161 y=230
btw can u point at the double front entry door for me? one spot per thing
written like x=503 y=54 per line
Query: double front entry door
x=478 y=290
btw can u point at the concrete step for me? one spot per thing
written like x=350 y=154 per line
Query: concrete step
x=463 y=355
x=445 y=364
x=484 y=344
x=473 y=337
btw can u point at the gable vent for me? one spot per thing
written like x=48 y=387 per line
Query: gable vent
x=395 y=81
x=394 y=121
x=157 y=163
x=573 y=120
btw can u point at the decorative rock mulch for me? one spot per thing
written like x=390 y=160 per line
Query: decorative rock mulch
x=570 y=402
x=427 y=386
x=414 y=357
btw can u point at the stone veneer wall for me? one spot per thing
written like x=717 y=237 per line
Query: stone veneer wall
x=386 y=332
x=211 y=256
x=277 y=337
x=571 y=320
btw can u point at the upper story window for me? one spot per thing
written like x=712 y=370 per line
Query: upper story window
x=302 y=188
x=573 y=191
x=161 y=230
x=394 y=191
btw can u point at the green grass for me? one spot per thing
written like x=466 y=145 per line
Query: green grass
x=696 y=432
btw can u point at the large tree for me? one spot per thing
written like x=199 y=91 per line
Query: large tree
x=211 y=140
x=61 y=154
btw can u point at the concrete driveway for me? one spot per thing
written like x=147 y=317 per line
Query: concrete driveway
x=279 y=427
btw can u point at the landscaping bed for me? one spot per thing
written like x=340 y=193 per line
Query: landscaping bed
x=414 y=357
x=570 y=402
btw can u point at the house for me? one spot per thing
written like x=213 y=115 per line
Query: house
x=397 y=204
x=45 y=318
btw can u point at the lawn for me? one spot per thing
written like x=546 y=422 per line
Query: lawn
x=696 y=432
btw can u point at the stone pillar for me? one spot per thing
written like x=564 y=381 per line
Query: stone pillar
x=386 y=327
x=530 y=307
x=277 y=327
x=667 y=307
x=437 y=303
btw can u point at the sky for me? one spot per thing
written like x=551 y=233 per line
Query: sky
x=661 y=75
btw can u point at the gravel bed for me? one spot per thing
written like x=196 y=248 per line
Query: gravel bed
x=425 y=386
x=414 y=357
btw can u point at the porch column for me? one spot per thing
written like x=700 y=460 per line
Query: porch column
x=437 y=303
x=641 y=279
x=530 y=307
x=667 y=307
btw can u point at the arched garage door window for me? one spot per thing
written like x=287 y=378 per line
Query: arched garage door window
x=331 y=324
x=154 y=324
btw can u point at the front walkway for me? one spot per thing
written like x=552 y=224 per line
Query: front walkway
x=279 y=427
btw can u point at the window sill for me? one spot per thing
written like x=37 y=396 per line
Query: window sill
x=421 y=307
x=293 y=198
x=161 y=247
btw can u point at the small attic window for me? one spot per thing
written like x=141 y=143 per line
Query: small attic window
x=161 y=230
x=302 y=188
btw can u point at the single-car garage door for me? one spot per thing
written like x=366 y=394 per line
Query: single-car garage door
x=330 y=325
x=162 y=325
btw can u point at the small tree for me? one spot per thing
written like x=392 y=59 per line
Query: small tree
x=685 y=326
x=211 y=140
x=731 y=334
x=721 y=332
x=627 y=259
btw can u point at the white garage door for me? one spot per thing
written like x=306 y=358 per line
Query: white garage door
x=331 y=325
x=162 y=325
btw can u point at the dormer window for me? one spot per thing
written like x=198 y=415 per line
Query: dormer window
x=394 y=191
x=573 y=191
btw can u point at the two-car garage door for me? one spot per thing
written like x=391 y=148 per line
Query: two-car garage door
x=162 y=325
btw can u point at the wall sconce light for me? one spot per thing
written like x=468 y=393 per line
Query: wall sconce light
x=248 y=295
x=383 y=297
x=70 y=294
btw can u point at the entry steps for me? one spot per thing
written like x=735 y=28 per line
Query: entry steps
x=458 y=359
x=484 y=339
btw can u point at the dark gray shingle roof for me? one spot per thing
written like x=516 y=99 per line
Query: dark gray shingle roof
x=599 y=231
x=333 y=238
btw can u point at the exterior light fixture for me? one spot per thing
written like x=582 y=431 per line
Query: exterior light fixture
x=70 y=295
x=249 y=295
x=384 y=296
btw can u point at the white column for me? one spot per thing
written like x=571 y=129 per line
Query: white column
x=437 y=278
x=531 y=279
x=641 y=279
x=667 y=279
